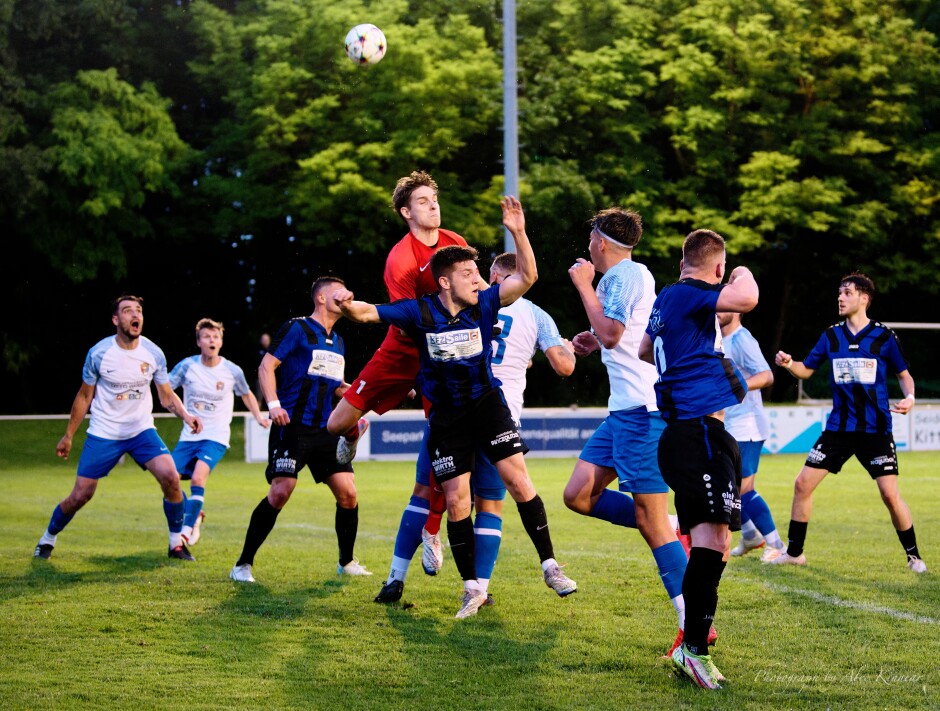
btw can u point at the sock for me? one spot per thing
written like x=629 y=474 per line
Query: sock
x=352 y=434
x=488 y=534
x=748 y=529
x=347 y=525
x=408 y=539
x=535 y=521
x=615 y=507
x=58 y=521
x=909 y=542
x=700 y=590
x=438 y=505
x=462 y=547
x=174 y=518
x=773 y=539
x=672 y=562
x=758 y=511
x=797 y=537
x=262 y=521
x=197 y=495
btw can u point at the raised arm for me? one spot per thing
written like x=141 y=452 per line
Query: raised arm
x=741 y=293
x=358 y=311
x=514 y=286
x=80 y=405
x=609 y=331
x=172 y=403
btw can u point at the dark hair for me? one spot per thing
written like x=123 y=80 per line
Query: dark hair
x=125 y=297
x=624 y=226
x=701 y=247
x=209 y=323
x=321 y=283
x=505 y=261
x=863 y=284
x=446 y=257
x=407 y=185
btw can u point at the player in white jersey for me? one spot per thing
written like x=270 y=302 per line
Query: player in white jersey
x=210 y=384
x=116 y=388
x=749 y=426
x=624 y=447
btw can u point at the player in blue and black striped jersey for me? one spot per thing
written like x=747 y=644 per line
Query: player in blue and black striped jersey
x=698 y=459
x=453 y=330
x=862 y=352
x=301 y=375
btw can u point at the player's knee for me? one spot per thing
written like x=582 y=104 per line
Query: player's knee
x=576 y=501
x=347 y=499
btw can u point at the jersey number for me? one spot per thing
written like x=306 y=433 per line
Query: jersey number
x=362 y=384
x=500 y=339
x=659 y=355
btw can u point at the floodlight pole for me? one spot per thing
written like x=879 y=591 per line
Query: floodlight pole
x=510 y=111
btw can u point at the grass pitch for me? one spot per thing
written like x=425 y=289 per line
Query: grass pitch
x=109 y=622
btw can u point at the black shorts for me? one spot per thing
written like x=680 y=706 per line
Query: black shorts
x=294 y=447
x=456 y=434
x=701 y=463
x=875 y=452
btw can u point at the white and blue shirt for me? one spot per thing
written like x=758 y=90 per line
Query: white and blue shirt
x=627 y=292
x=746 y=422
x=123 y=404
x=209 y=394
x=525 y=329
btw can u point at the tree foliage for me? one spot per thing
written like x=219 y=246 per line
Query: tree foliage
x=229 y=151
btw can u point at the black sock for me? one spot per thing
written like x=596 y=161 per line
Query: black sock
x=535 y=521
x=463 y=547
x=796 y=537
x=347 y=525
x=909 y=541
x=700 y=591
x=262 y=521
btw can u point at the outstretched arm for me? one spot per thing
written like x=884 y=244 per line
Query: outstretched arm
x=514 y=286
x=358 y=311
x=796 y=367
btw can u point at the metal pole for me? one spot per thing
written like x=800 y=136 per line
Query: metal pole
x=510 y=110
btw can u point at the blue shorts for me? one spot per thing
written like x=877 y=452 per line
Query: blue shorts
x=484 y=480
x=627 y=442
x=750 y=457
x=99 y=455
x=187 y=453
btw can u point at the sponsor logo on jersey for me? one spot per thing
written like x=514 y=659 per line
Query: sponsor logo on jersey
x=285 y=463
x=443 y=465
x=454 y=345
x=505 y=437
x=145 y=368
x=204 y=406
x=219 y=385
x=129 y=395
x=854 y=370
x=421 y=269
x=656 y=322
x=816 y=455
x=731 y=502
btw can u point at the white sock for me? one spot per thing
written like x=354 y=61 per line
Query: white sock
x=773 y=539
x=48 y=539
x=176 y=539
x=673 y=521
x=749 y=531
x=678 y=602
x=548 y=563
x=399 y=569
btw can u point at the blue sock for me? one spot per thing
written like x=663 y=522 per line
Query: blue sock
x=59 y=520
x=174 y=514
x=671 y=561
x=488 y=534
x=758 y=511
x=409 y=530
x=616 y=507
x=197 y=495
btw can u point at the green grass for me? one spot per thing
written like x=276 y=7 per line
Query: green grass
x=110 y=622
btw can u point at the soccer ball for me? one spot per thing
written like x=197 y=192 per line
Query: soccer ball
x=365 y=44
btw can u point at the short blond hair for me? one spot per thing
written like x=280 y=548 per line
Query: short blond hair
x=209 y=323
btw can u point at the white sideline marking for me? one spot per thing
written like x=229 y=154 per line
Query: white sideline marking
x=839 y=602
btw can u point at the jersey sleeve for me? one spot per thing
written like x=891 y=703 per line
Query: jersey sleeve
x=621 y=294
x=160 y=375
x=401 y=313
x=546 y=331
x=894 y=355
x=283 y=343
x=400 y=275
x=748 y=356
x=178 y=374
x=819 y=354
x=91 y=371
x=241 y=384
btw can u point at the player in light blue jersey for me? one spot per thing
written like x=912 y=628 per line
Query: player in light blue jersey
x=116 y=388
x=624 y=446
x=748 y=424
x=699 y=460
x=210 y=383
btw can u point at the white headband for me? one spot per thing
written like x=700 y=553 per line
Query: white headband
x=611 y=239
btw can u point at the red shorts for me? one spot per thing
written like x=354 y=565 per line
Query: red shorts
x=385 y=381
